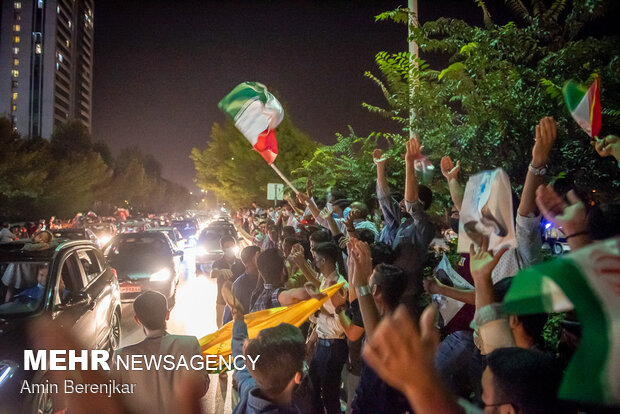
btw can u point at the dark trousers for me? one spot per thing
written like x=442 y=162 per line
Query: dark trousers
x=325 y=369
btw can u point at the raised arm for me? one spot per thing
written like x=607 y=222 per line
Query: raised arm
x=411 y=182
x=359 y=279
x=389 y=207
x=310 y=275
x=434 y=287
x=451 y=172
x=546 y=133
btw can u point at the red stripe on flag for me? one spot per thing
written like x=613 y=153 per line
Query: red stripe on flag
x=595 y=107
x=267 y=145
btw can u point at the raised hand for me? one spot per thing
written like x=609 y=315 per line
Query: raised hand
x=414 y=150
x=482 y=262
x=309 y=187
x=233 y=303
x=378 y=157
x=313 y=291
x=448 y=169
x=303 y=198
x=363 y=262
x=339 y=298
x=570 y=218
x=546 y=134
x=402 y=353
x=608 y=146
x=431 y=285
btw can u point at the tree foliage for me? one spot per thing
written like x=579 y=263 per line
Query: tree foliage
x=69 y=173
x=481 y=108
x=235 y=173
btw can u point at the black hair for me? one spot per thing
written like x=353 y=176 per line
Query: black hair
x=425 y=195
x=526 y=378
x=320 y=236
x=270 y=265
x=327 y=250
x=227 y=239
x=248 y=254
x=604 y=221
x=381 y=253
x=280 y=353
x=288 y=231
x=366 y=235
x=290 y=241
x=392 y=281
x=151 y=308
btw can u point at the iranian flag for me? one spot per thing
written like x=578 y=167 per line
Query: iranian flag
x=588 y=281
x=584 y=105
x=256 y=113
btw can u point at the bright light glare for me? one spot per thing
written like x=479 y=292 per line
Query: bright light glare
x=236 y=250
x=201 y=251
x=547 y=225
x=194 y=312
x=6 y=373
x=104 y=239
x=161 y=275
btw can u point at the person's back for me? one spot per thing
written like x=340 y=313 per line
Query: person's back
x=154 y=390
x=155 y=384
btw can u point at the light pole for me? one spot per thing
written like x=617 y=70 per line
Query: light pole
x=413 y=53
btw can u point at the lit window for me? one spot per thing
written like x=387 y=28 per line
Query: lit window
x=14 y=108
x=67 y=42
x=37 y=48
x=17 y=4
x=14 y=96
x=15 y=73
x=15 y=50
x=17 y=28
x=57 y=65
x=40 y=4
x=18 y=17
x=15 y=62
x=16 y=39
x=60 y=57
x=58 y=9
x=69 y=23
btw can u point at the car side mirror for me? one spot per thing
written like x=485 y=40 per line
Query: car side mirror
x=76 y=299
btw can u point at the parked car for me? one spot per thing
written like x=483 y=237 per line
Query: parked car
x=134 y=226
x=72 y=284
x=145 y=261
x=174 y=235
x=103 y=231
x=208 y=248
x=77 y=234
x=554 y=239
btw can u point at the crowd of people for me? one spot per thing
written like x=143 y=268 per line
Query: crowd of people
x=378 y=345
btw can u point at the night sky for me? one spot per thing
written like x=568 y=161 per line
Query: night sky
x=161 y=67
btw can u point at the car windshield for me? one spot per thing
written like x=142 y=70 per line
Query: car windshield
x=23 y=286
x=137 y=246
x=186 y=228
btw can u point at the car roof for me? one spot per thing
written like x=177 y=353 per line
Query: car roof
x=152 y=229
x=13 y=251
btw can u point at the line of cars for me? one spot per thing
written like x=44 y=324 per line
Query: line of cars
x=81 y=283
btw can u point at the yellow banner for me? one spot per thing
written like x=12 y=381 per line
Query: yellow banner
x=218 y=342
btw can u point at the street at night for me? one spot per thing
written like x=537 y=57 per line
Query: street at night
x=309 y=207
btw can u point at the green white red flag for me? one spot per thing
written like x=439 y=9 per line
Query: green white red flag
x=256 y=113
x=584 y=105
x=588 y=281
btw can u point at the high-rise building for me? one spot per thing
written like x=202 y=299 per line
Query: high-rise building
x=46 y=63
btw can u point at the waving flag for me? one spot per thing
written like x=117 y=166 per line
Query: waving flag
x=218 y=342
x=256 y=113
x=584 y=105
x=588 y=281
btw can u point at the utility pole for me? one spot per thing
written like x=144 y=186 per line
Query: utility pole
x=413 y=53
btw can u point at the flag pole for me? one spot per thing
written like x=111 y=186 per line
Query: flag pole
x=284 y=178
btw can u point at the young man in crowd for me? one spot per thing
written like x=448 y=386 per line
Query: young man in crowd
x=229 y=267
x=245 y=284
x=154 y=391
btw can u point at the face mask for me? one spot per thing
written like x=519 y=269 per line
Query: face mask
x=454 y=224
x=229 y=252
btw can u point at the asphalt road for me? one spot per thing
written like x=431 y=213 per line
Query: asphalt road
x=193 y=314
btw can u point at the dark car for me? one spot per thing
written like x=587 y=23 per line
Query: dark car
x=144 y=261
x=189 y=229
x=71 y=284
x=77 y=234
x=208 y=248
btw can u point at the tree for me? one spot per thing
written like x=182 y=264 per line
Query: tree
x=502 y=79
x=234 y=172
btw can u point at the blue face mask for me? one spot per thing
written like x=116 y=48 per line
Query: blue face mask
x=346 y=212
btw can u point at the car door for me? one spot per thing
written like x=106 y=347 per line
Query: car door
x=73 y=307
x=98 y=289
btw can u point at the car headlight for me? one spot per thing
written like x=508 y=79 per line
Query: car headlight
x=201 y=251
x=7 y=369
x=161 y=275
x=104 y=239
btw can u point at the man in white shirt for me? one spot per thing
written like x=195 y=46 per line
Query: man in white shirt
x=331 y=350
